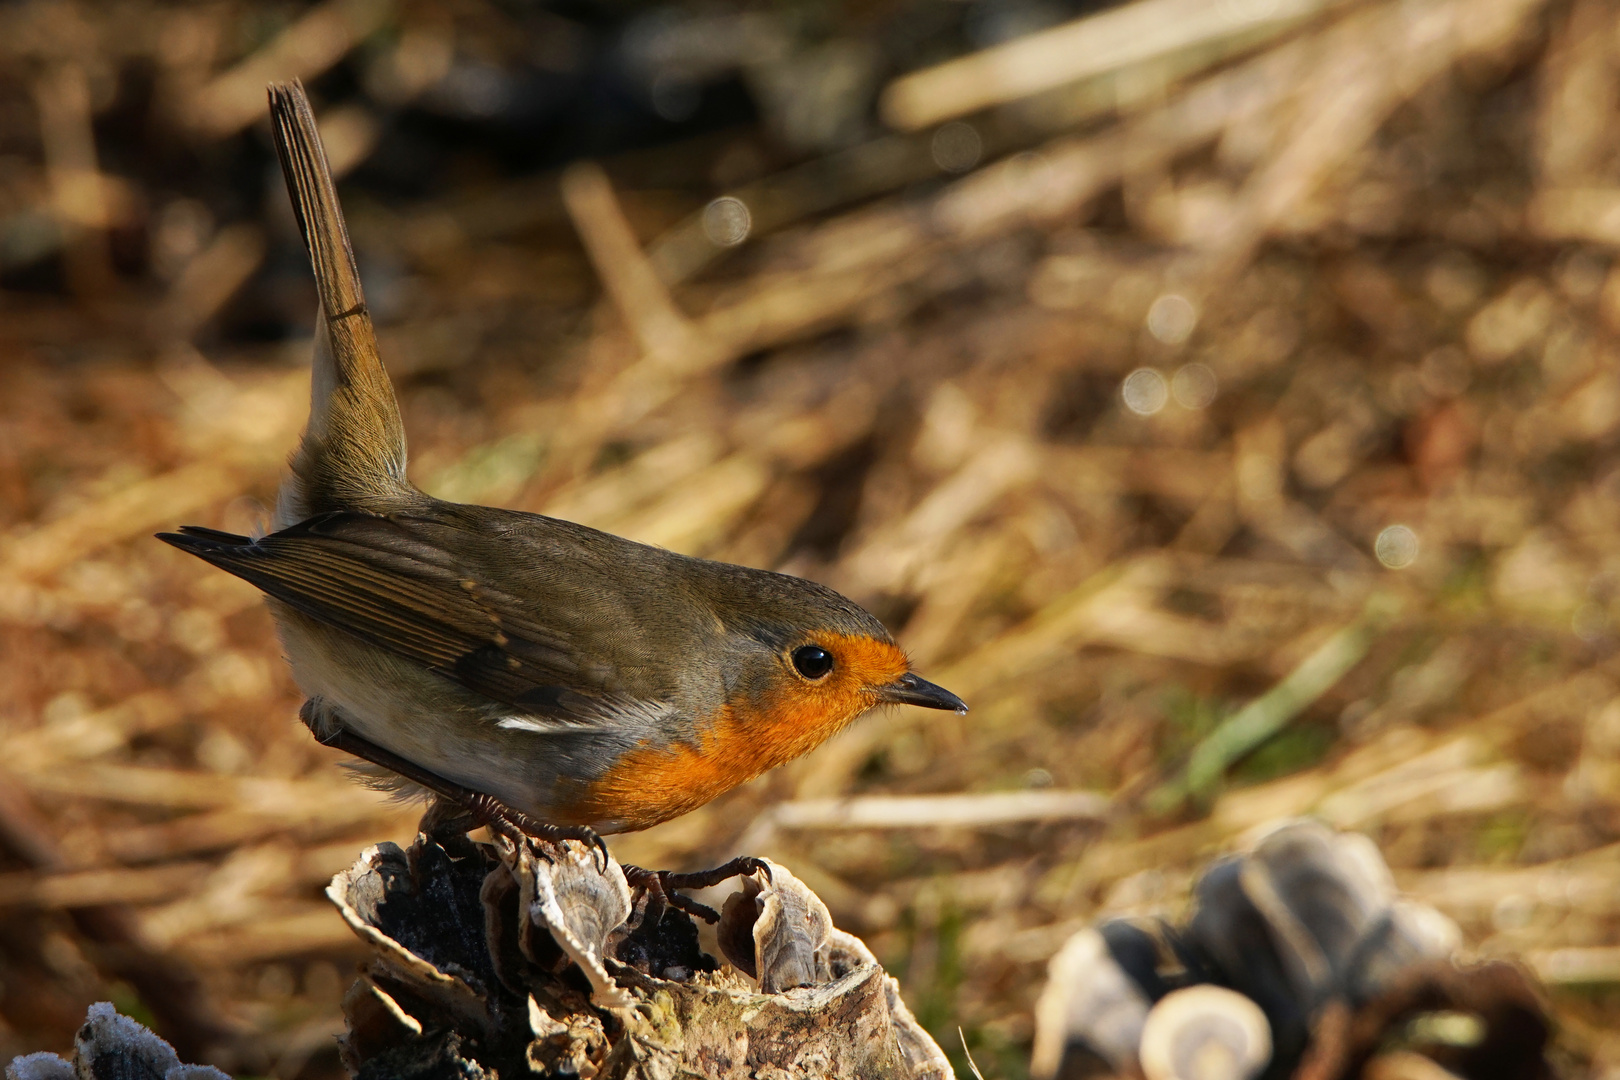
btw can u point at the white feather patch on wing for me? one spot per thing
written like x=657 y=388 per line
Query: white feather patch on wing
x=638 y=719
x=534 y=724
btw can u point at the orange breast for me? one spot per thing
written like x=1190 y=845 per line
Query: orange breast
x=654 y=783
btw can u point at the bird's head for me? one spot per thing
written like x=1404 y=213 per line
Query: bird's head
x=805 y=661
x=787 y=663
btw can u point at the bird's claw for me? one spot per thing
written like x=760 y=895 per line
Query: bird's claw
x=663 y=886
x=558 y=835
x=516 y=826
x=589 y=837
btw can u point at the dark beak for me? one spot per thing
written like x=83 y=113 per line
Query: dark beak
x=910 y=690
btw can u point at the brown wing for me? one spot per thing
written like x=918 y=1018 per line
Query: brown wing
x=380 y=580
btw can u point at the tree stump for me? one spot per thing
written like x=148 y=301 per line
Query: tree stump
x=503 y=958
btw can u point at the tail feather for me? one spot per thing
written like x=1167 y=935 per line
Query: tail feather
x=352 y=456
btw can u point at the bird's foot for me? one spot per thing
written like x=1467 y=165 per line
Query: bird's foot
x=515 y=825
x=518 y=827
x=479 y=807
x=662 y=885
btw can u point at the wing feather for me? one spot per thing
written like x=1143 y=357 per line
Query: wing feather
x=383 y=580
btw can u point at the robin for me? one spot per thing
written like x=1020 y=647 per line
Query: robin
x=550 y=678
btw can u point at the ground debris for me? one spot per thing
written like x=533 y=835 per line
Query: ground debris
x=1299 y=960
x=111 y=1046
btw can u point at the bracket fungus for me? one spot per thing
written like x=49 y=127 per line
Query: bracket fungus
x=580 y=905
x=1299 y=960
x=775 y=930
x=513 y=958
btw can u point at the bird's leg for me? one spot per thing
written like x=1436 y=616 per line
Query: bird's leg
x=662 y=884
x=741 y=866
x=500 y=817
x=659 y=896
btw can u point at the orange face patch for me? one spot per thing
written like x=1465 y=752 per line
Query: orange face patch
x=792 y=717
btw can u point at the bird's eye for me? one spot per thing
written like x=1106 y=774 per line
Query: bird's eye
x=812 y=661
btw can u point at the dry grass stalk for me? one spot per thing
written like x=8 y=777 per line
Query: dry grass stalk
x=1124 y=37
x=318 y=39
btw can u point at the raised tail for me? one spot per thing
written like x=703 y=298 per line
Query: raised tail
x=352 y=456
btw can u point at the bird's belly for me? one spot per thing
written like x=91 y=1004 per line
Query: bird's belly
x=648 y=786
x=425 y=719
x=652 y=783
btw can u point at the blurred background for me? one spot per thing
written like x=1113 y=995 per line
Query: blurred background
x=1220 y=395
